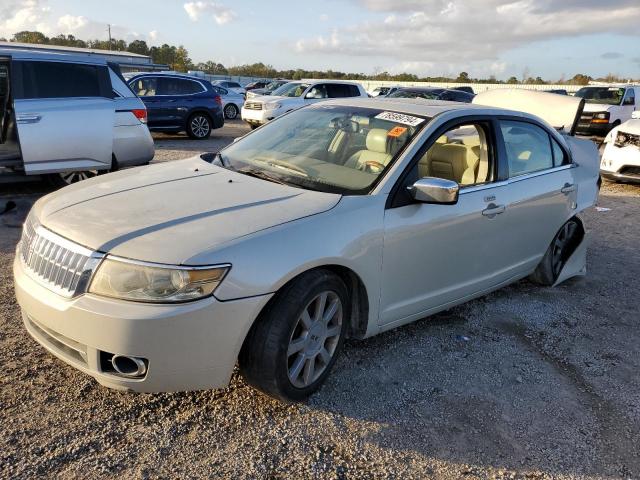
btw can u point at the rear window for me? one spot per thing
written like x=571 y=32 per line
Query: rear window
x=61 y=80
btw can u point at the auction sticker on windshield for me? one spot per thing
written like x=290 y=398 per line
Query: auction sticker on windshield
x=400 y=118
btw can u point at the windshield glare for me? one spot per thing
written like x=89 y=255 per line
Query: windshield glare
x=603 y=95
x=330 y=148
x=291 y=90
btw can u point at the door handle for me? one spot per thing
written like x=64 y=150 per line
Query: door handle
x=568 y=188
x=34 y=118
x=493 y=210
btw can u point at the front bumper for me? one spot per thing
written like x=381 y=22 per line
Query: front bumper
x=596 y=129
x=621 y=163
x=189 y=346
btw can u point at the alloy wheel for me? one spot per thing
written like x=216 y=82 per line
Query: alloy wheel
x=314 y=339
x=74 y=177
x=200 y=126
x=560 y=243
x=230 y=111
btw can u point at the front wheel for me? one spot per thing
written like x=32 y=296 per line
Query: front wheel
x=293 y=345
x=199 y=126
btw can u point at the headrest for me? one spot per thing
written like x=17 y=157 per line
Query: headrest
x=377 y=140
x=455 y=153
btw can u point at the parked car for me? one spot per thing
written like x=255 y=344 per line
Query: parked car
x=621 y=156
x=342 y=219
x=232 y=102
x=257 y=84
x=179 y=103
x=294 y=95
x=429 y=93
x=383 y=91
x=558 y=91
x=606 y=107
x=268 y=90
x=465 y=89
x=231 y=85
x=68 y=117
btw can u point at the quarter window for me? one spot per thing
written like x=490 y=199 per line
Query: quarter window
x=60 y=80
x=528 y=147
x=559 y=157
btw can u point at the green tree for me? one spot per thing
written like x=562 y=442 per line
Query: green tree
x=463 y=77
x=512 y=80
x=138 y=46
x=30 y=37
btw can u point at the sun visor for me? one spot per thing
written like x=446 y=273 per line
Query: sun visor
x=560 y=111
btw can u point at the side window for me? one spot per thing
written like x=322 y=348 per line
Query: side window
x=630 y=98
x=233 y=85
x=353 y=91
x=62 y=80
x=335 y=90
x=187 y=87
x=317 y=91
x=528 y=147
x=461 y=154
x=145 y=87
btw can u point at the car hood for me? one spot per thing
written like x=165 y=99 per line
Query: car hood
x=597 y=107
x=167 y=213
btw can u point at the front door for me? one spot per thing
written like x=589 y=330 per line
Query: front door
x=438 y=254
x=64 y=115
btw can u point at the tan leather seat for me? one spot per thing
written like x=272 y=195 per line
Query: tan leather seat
x=450 y=161
x=376 y=151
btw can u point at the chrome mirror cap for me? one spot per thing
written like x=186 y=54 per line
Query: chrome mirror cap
x=435 y=190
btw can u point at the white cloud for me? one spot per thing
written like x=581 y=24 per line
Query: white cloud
x=217 y=11
x=18 y=15
x=434 y=35
x=153 y=35
x=323 y=17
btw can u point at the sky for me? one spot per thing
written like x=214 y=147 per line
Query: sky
x=547 y=38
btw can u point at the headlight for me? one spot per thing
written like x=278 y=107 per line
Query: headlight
x=272 y=106
x=157 y=284
x=601 y=115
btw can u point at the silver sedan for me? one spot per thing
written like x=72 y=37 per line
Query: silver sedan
x=342 y=219
x=232 y=102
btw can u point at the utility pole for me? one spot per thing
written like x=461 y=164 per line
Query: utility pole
x=109 y=30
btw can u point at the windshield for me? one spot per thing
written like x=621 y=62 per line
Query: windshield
x=426 y=94
x=291 y=90
x=329 y=148
x=273 y=85
x=603 y=95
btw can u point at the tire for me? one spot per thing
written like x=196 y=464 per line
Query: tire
x=290 y=349
x=199 y=126
x=253 y=126
x=63 y=179
x=561 y=248
x=231 y=111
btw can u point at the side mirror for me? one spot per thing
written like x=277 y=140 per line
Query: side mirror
x=435 y=190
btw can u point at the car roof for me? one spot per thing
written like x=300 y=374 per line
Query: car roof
x=174 y=75
x=421 y=107
x=30 y=54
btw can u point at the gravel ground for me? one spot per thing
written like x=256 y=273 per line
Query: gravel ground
x=527 y=382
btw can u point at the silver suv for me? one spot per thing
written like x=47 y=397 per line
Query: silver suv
x=68 y=116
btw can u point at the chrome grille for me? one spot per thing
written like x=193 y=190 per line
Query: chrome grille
x=253 y=105
x=59 y=264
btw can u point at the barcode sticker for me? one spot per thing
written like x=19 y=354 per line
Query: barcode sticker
x=400 y=118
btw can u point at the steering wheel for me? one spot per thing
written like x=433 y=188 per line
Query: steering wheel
x=372 y=166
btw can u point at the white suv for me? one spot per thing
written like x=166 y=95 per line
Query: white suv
x=294 y=95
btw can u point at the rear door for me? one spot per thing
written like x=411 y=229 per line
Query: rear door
x=64 y=115
x=542 y=191
x=146 y=88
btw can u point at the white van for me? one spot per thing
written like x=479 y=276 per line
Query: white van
x=68 y=116
x=606 y=107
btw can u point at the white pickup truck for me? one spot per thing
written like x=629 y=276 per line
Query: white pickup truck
x=606 y=107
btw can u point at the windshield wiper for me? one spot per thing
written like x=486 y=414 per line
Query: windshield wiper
x=252 y=172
